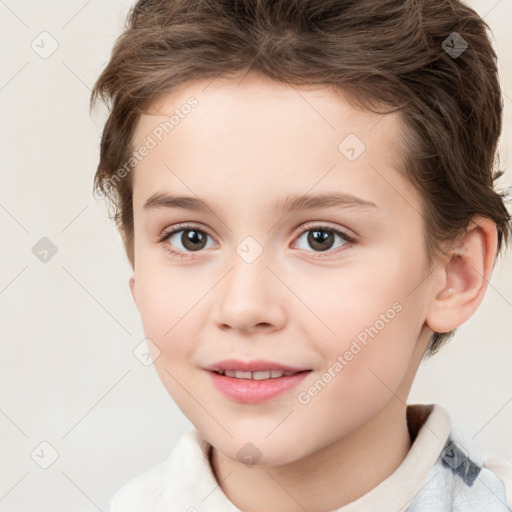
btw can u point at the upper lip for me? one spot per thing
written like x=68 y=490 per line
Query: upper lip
x=252 y=366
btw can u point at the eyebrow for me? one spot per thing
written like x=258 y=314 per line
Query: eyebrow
x=289 y=204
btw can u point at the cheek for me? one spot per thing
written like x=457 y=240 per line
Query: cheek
x=376 y=321
x=357 y=303
x=377 y=358
x=169 y=313
x=166 y=296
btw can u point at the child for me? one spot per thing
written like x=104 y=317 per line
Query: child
x=266 y=129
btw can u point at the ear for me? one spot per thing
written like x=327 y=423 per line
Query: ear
x=131 y=281
x=465 y=274
x=131 y=284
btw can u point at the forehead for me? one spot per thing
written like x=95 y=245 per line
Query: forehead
x=249 y=134
x=263 y=104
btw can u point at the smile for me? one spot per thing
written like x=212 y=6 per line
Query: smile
x=255 y=387
x=259 y=375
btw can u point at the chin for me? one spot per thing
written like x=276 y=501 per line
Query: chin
x=259 y=453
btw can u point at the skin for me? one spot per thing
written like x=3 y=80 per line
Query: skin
x=247 y=145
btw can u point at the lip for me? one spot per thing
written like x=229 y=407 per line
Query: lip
x=256 y=391
x=255 y=365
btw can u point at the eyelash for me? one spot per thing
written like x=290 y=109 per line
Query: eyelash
x=192 y=227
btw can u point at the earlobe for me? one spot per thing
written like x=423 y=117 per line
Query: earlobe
x=131 y=281
x=466 y=273
x=131 y=284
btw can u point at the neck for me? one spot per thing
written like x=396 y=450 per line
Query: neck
x=327 y=479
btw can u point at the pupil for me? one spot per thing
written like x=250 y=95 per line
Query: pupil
x=191 y=238
x=194 y=240
x=318 y=237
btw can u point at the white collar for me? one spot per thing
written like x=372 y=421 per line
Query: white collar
x=186 y=480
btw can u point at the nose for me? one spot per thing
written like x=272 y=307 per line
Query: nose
x=251 y=297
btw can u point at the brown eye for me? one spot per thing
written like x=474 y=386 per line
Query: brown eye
x=185 y=240
x=322 y=238
x=193 y=239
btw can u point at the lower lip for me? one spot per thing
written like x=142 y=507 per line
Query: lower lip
x=255 y=391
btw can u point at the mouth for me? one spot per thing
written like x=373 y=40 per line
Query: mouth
x=257 y=375
x=259 y=367
x=251 y=387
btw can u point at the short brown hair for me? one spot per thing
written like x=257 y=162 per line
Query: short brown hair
x=403 y=54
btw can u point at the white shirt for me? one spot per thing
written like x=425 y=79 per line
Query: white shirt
x=439 y=474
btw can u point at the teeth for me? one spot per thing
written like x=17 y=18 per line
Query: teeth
x=260 y=375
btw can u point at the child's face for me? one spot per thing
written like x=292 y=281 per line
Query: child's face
x=243 y=150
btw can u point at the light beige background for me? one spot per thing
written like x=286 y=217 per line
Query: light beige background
x=68 y=375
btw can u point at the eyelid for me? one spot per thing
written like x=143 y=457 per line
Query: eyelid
x=298 y=231
x=182 y=227
x=325 y=225
x=168 y=233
